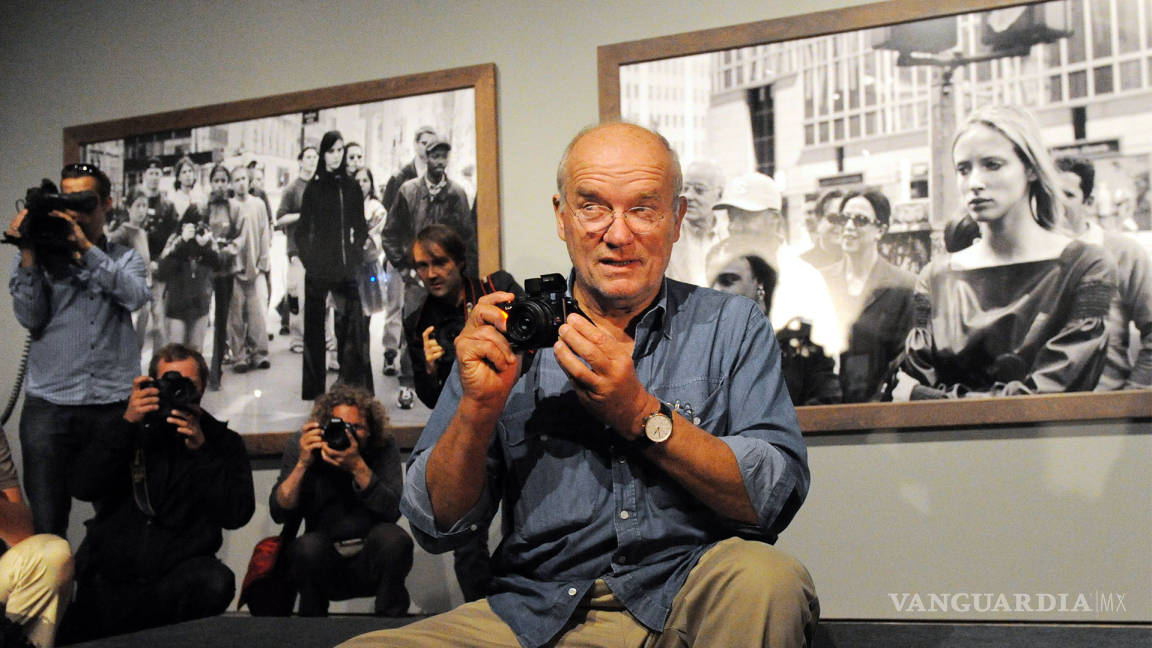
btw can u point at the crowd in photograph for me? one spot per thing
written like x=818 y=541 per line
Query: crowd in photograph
x=1031 y=297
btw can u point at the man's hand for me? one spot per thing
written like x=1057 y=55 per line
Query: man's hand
x=348 y=460
x=188 y=426
x=488 y=366
x=13 y=230
x=432 y=350
x=603 y=375
x=311 y=439
x=144 y=400
x=76 y=238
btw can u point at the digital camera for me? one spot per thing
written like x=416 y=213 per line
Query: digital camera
x=177 y=392
x=336 y=433
x=534 y=320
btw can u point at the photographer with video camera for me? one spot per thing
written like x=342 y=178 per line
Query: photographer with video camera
x=341 y=475
x=166 y=478
x=75 y=292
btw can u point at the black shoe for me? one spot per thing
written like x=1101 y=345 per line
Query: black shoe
x=264 y=364
x=284 y=330
x=241 y=367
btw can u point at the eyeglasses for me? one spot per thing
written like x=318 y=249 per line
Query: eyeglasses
x=596 y=218
x=859 y=220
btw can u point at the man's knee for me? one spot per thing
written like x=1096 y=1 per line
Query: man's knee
x=390 y=539
x=55 y=555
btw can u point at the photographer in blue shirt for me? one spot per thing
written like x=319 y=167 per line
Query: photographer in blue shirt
x=76 y=298
x=644 y=461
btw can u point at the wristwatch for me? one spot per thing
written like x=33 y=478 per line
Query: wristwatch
x=655 y=428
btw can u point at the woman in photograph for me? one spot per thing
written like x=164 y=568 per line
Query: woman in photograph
x=1022 y=309
x=186 y=199
x=374 y=212
x=187 y=267
x=809 y=374
x=130 y=232
x=872 y=297
x=222 y=223
x=330 y=235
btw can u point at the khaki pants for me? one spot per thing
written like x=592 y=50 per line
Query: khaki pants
x=741 y=593
x=35 y=585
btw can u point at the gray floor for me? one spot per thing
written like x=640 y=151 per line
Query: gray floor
x=266 y=632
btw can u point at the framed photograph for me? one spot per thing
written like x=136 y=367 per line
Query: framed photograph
x=202 y=169
x=833 y=133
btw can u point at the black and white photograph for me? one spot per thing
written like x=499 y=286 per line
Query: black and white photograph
x=951 y=208
x=280 y=246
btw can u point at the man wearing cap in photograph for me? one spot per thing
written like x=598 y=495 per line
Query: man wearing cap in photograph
x=703 y=182
x=159 y=226
x=754 y=205
x=427 y=200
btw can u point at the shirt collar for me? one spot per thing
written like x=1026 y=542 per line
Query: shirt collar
x=653 y=317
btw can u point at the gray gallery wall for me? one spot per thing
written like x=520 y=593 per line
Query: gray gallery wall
x=1046 y=510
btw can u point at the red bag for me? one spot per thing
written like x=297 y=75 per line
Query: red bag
x=267 y=587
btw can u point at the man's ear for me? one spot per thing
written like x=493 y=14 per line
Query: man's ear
x=681 y=209
x=558 y=209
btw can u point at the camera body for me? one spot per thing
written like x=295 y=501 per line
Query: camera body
x=336 y=432
x=795 y=339
x=446 y=333
x=177 y=392
x=534 y=320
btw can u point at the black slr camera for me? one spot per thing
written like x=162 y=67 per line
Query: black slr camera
x=177 y=392
x=47 y=235
x=534 y=320
x=446 y=333
x=336 y=434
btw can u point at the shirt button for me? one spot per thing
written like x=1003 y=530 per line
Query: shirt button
x=571 y=591
x=543 y=437
x=473 y=527
x=623 y=515
x=622 y=559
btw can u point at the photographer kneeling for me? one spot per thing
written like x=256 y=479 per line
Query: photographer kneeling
x=342 y=475
x=165 y=479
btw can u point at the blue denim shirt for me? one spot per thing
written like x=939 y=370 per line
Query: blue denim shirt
x=84 y=350
x=579 y=504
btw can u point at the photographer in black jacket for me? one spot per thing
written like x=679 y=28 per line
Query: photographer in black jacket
x=341 y=474
x=165 y=480
x=438 y=253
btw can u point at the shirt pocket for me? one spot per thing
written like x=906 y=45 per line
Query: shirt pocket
x=549 y=459
x=704 y=402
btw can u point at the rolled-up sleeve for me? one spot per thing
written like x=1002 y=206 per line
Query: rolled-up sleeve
x=416 y=505
x=764 y=434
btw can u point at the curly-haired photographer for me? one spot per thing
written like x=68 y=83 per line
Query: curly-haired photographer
x=341 y=474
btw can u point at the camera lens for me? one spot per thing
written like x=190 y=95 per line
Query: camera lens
x=526 y=319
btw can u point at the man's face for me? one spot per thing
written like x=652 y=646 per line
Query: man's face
x=753 y=223
x=152 y=177
x=256 y=181
x=702 y=191
x=827 y=230
x=619 y=169
x=91 y=222
x=308 y=163
x=439 y=272
x=1070 y=185
x=354 y=155
x=240 y=183
x=351 y=415
x=422 y=143
x=437 y=161
x=186 y=367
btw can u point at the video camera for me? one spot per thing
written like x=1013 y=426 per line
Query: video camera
x=534 y=320
x=48 y=235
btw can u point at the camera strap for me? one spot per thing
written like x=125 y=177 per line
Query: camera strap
x=140 y=484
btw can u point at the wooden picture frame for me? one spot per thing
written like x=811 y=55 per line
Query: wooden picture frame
x=470 y=89
x=642 y=58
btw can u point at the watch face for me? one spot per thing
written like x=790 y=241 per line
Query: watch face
x=658 y=428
